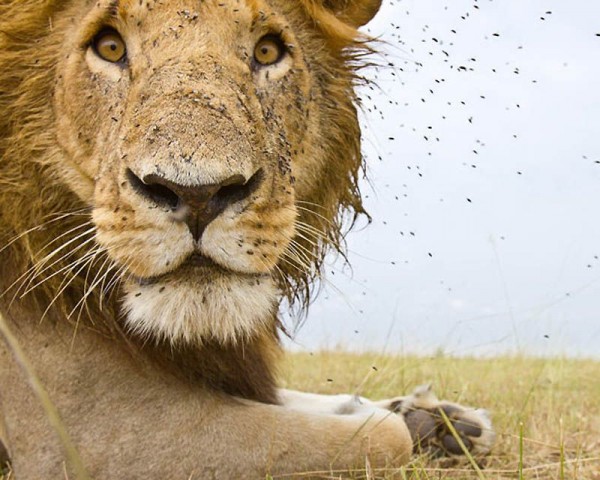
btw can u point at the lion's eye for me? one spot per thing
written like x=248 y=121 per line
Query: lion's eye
x=110 y=46
x=269 y=50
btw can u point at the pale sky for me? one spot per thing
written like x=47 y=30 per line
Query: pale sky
x=486 y=200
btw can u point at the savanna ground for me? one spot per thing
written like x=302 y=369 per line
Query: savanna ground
x=546 y=411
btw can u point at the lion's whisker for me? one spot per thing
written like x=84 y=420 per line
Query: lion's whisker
x=87 y=289
x=294 y=260
x=26 y=278
x=35 y=270
x=317 y=214
x=64 y=234
x=294 y=255
x=275 y=267
x=69 y=266
x=86 y=261
x=38 y=268
x=312 y=204
x=66 y=244
x=59 y=216
x=119 y=270
x=38 y=264
x=309 y=229
x=116 y=281
x=307 y=254
x=288 y=261
x=305 y=227
x=63 y=286
x=105 y=287
x=308 y=226
x=308 y=240
x=95 y=282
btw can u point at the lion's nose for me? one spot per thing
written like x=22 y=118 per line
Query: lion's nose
x=200 y=204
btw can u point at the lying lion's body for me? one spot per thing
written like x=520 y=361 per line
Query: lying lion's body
x=154 y=209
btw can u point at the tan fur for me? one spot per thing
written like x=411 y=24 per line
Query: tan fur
x=160 y=368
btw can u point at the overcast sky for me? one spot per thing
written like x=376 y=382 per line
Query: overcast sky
x=483 y=148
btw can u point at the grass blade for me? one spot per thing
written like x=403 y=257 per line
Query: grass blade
x=49 y=407
x=462 y=445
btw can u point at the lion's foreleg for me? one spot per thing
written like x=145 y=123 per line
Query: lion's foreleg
x=341 y=404
x=313 y=438
x=421 y=411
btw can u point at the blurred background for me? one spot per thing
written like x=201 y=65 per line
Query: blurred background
x=482 y=140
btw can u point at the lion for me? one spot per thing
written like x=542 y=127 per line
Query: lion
x=170 y=171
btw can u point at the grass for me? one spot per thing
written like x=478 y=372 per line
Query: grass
x=546 y=411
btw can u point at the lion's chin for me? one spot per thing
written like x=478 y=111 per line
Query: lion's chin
x=199 y=303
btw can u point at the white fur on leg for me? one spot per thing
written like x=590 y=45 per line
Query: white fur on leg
x=342 y=404
x=422 y=398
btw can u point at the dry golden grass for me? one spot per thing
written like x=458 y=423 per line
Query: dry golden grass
x=557 y=401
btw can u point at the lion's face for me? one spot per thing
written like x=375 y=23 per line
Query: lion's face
x=184 y=125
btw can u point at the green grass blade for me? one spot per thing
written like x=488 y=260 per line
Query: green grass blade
x=462 y=445
x=49 y=407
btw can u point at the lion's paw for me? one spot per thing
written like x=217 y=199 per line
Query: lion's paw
x=422 y=412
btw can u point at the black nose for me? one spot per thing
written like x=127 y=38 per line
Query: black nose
x=201 y=204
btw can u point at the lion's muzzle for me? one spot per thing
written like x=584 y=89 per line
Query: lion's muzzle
x=198 y=204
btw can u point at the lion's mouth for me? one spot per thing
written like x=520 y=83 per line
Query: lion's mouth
x=196 y=259
x=195 y=265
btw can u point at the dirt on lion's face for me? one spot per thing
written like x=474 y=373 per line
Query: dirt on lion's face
x=215 y=143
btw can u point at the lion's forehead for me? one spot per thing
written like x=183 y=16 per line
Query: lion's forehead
x=184 y=8
x=175 y=16
x=161 y=32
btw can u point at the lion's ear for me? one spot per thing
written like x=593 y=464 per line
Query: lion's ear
x=353 y=12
